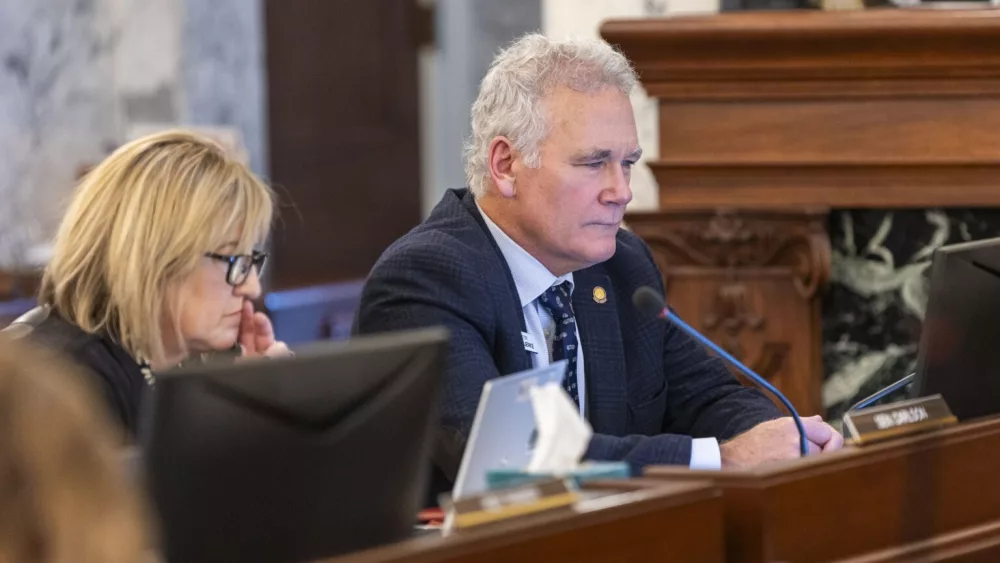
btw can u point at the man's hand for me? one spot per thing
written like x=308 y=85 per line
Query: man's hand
x=257 y=335
x=776 y=440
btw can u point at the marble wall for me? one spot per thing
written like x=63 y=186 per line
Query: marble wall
x=57 y=110
x=874 y=305
x=223 y=70
x=79 y=77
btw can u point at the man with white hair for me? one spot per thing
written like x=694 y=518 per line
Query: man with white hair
x=529 y=265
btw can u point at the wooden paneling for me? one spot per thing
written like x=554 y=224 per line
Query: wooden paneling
x=794 y=111
x=885 y=185
x=343 y=110
x=750 y=285
x=824 y=55
x=831 y=132
x=883 y=152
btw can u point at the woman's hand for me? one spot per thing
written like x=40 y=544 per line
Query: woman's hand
x=257 y=335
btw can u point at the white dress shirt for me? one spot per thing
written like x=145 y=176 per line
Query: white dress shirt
x=532 y=279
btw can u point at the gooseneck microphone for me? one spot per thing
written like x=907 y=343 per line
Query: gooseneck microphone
x=882 y=393
x=648 y=301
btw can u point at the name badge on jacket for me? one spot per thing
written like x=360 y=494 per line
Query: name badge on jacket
x=529 y=343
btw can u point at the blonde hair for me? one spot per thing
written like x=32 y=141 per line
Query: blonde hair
x=64 y=494
x=510 y=97
x=138 y=225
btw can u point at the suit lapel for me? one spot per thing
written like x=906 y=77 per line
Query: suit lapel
x=603 y=352
x=509 y=310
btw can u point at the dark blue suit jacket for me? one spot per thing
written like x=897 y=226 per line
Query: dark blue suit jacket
x=650 y=387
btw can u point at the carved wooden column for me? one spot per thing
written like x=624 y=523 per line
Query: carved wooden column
x=767 y=118
x=750 y=282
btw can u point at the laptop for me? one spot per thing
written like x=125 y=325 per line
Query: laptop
x=503 y=432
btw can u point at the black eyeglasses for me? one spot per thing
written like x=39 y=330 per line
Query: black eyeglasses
x=240 y=265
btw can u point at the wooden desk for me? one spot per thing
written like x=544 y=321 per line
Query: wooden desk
x=978 y=544
x=679 y=521
x=935 y=495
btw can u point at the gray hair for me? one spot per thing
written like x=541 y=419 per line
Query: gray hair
x=510 y=96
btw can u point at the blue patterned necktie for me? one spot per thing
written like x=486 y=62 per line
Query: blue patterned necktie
x=558 y=301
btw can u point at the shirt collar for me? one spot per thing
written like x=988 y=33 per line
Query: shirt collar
x=530 y=277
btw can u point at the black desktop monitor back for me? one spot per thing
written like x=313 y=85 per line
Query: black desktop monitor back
x=960 y=343
x=290 y=460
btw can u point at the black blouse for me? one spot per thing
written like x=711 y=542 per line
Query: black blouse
x=117 y=375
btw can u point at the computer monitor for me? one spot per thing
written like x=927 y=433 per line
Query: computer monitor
x=294 y=459
x=959 y=355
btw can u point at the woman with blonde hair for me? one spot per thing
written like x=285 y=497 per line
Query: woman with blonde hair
x=157 y=259
x=64 y=494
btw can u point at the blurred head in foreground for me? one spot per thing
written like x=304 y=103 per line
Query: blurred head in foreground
x=64 y=494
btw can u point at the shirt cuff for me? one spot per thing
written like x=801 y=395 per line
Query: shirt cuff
x=705 y=454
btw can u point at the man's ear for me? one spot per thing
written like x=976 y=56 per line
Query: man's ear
x=501 y=163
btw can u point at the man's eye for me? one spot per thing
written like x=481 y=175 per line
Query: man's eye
x=595 y=165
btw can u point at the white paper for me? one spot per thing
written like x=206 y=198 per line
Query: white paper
x=563 y=435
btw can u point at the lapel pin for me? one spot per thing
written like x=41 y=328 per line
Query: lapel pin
x=600 y=296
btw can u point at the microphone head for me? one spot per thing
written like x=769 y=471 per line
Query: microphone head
x=648 y=301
